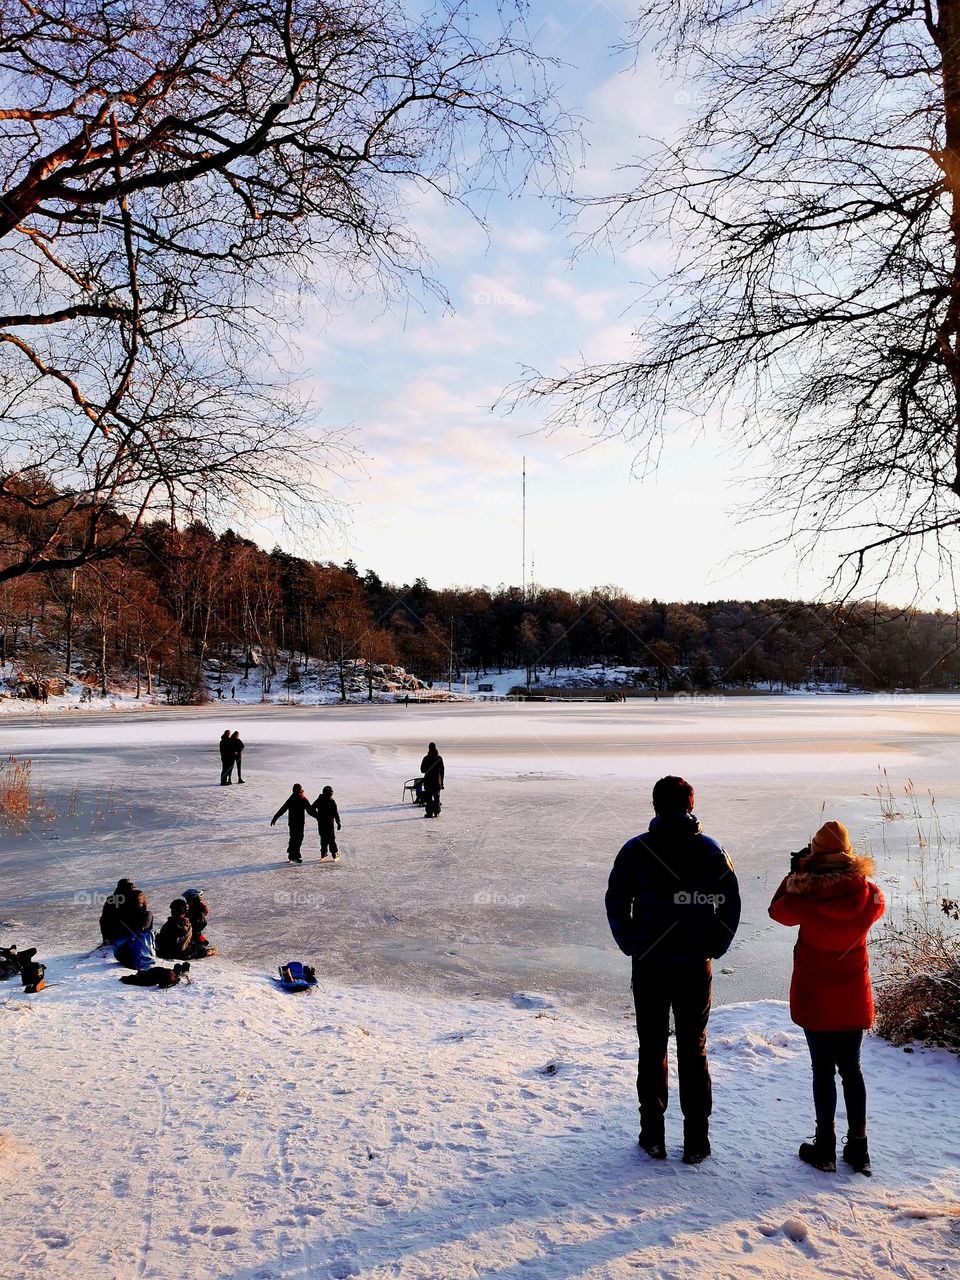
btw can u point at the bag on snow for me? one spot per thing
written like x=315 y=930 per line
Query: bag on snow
x=12 y=961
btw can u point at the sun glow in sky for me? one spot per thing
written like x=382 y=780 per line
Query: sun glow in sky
x=436 y=492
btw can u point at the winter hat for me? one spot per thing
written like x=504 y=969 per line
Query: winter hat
x=327 y=791
x=833 y=837
x=830 y=850
x=192 y=893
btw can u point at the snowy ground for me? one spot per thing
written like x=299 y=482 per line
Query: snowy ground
x=506 y=889
x=414 y=1118
x=228 y=1130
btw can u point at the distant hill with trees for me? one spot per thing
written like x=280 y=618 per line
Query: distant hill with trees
x=179 y=602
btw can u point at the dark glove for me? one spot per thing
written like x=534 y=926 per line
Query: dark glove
x=797 y=858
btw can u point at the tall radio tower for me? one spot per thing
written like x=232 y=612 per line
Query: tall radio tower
x=523 y=527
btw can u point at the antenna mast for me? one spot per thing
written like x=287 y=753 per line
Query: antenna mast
x=523 y=527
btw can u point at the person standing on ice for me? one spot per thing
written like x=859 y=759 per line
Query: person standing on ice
x=328 y=816
x=236 y=750
x=296 y=807
x=226 y=758
x=828 y=893
x=673 y=904
x=431 y=766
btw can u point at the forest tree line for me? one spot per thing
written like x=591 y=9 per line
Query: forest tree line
x=183 y=602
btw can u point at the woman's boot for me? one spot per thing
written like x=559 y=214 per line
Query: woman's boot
x=822 y=1152
x=856 y=1155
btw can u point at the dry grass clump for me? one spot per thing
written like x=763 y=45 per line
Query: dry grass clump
x=918 y=997
x=16 y=793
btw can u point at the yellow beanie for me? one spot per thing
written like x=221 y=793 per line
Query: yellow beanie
x=833 y=837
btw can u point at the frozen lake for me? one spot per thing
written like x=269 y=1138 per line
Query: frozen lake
x=505 y=891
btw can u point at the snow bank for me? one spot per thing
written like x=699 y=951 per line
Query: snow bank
x=229 y=1130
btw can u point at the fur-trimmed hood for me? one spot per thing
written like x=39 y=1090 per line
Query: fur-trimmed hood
x=835 y=882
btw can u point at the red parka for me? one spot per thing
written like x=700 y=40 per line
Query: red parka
x=830 y=989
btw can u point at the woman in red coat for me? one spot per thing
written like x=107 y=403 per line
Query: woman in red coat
x=828 y=894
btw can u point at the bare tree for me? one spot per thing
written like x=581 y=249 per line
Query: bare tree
x=814 y=296
x=173 y=174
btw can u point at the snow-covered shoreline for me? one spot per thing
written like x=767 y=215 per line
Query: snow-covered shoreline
x=248 y=697
x=225 y=1129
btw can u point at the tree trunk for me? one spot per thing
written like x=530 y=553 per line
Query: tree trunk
x=946 y=34
x=103 y=655
x=68 y=664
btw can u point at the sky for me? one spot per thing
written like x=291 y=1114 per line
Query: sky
x=435 y=487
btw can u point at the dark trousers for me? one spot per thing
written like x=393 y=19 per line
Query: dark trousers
x=832 y=1052
x=685 y=989
x=432 y=802
x=236 y=761
x=328 y=839
x=295 y=842
x=226 y=768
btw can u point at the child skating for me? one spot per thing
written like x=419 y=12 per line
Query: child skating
x=328 y=816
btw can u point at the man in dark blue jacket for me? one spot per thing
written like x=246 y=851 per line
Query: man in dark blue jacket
x=674 y=905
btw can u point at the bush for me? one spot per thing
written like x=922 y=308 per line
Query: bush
x=918 y=997
x=16 y=795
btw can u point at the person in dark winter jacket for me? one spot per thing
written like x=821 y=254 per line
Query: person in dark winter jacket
x=673 y=904
x=226 y=758
x=328 y=816
x=236 y=749
x=158 y=976
x=198 y=913
x=296 y=807
x=135 y=947
x=175 y=939
x=111 y=917
x=431 y=766
x=829 y=894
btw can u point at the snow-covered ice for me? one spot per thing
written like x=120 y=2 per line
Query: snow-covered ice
x=505 y=891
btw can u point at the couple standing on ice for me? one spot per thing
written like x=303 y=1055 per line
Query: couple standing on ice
x=673 y=904
x=231 y=753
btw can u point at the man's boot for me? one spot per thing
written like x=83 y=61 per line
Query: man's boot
x=651 y=1139
x=696 y=1141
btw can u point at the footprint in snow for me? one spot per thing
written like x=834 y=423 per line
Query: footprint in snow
x=53 y=1239
x=343 y=1269
x=531 y=1000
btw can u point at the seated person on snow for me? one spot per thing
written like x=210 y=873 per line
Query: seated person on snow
x=197 y=913
x=175 y=939
x=135 y=948
x=111 y=917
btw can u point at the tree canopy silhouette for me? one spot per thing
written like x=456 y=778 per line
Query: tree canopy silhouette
x=173 y=174
x=814 y=201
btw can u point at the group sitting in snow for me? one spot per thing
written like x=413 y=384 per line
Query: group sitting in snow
x=126 y=925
